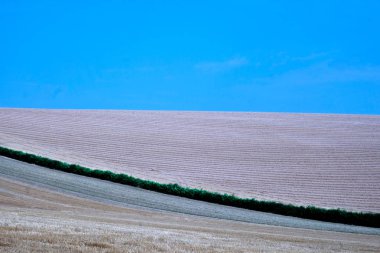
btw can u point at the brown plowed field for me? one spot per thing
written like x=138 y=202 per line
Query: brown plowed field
x=306 y=159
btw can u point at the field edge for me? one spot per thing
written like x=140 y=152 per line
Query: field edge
x=308 y=212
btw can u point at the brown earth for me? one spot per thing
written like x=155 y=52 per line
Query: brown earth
x=305 y=159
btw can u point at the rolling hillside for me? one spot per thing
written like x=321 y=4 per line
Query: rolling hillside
x=38 y=219
x=303 y=159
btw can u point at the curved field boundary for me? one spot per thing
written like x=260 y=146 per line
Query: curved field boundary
x=324 y=160
x=309 y=212
x=119 y=195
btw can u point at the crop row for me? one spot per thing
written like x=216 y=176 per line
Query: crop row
x=329 y=161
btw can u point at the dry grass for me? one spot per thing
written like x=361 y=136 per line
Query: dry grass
x=320 y=160
x=37 y=220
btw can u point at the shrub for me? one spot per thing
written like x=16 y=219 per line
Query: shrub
x=309 y=212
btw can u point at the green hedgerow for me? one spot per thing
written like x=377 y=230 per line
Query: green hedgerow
x=310 y=212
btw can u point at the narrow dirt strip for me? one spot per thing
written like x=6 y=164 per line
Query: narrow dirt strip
x=122 y=195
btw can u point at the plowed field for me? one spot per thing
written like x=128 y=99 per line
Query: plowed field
x=304 y=159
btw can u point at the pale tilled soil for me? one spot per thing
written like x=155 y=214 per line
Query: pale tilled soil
x=305 y=159
x=34 y=219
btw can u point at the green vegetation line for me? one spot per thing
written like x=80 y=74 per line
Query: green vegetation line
x=309 y=212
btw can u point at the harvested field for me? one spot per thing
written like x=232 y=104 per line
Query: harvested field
x=34 y=218
x=129 y=196
x=304 y=159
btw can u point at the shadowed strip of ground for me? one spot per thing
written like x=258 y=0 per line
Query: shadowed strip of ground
x=128 y=196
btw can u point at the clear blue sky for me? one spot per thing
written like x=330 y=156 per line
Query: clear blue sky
x=285 y=56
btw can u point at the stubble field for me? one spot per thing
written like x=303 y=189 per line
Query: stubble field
x=322 y=160
x=39 y=220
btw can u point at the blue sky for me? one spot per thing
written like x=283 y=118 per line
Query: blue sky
x=267 y=56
